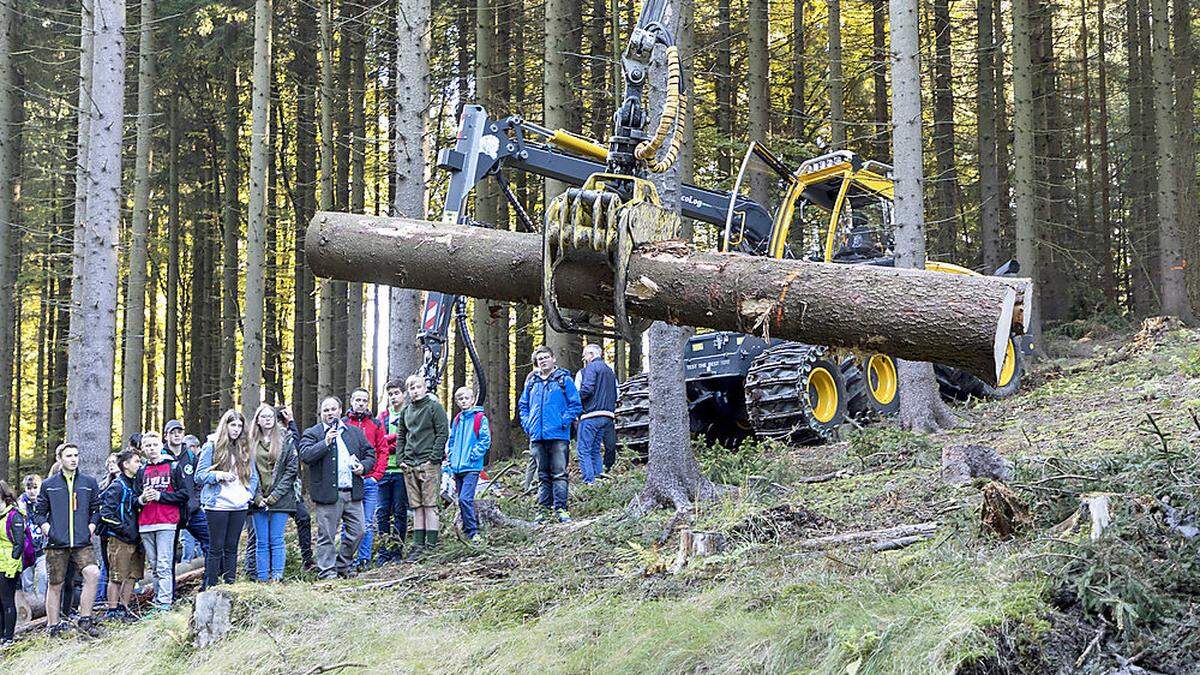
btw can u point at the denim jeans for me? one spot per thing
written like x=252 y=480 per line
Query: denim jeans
x=160 y=560
x=391 y=516
x=552 y=473
x=592 y=434
x=466 y=484
x=270 y=554
x=370 y=503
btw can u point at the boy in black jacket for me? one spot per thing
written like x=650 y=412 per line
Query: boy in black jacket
x=119 y=507
x=68 y=511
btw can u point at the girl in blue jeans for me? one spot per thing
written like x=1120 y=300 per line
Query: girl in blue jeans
x=274 y=455
x=470 y=438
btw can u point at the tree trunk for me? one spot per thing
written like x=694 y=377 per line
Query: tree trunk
x=953 y=319
x=562 y=111
x=171 y=339
x=358 y=185
x=879 y=92
x=135 y=300
x=1170 y=241
x=1003 y=134
x=230 y=315
x=798 y=113
x=272 y=326
x=1088 y=215
x=1024 y=159
x=1185 y=118
x=325 y=308
x=82 y=146
x=989 y=177
x=412 y=100
x=921 y=408
x=304 y=334
x=256 y=228
x=759 y=78
x=150 y=386
x=1104 y=252
x=946 y=181
x=8 y=176
x=94 y=319
x=837 y=82
x=673 y=477
x=726 y=89
x=487 y=75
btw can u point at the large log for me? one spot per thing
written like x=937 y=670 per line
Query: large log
x=958 y=320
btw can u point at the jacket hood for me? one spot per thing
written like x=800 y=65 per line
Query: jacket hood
x=358 y=417
x=472 y=409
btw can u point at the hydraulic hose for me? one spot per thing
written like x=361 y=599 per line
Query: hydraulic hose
x=670 y=122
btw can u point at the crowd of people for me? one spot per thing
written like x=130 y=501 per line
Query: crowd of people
x=167 y=495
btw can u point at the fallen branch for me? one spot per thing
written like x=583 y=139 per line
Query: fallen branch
x=337 y=666
x=923 y=530
x=1091 y=645
x=823 y=478
x=899 y=543
x=1065 y=476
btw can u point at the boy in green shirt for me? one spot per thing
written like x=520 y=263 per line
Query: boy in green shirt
x=421 y=433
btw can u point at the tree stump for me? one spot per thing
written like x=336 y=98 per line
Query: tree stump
x=1003 y=514
x=963 y=463
x=30 y=606
x=697 y=544
x=212 y=617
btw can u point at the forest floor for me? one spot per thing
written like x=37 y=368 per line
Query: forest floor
x=597 y=596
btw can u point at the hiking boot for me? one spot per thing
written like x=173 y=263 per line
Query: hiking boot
x=415 y=553
x=112 y=614
x=563 y=516
x=87 y=626
x=540 y=517
x=125 y=614
x=57 y=629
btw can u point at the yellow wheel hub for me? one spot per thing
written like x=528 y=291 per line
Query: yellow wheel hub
x=1010 y=365
x=881 y=378
x=822 y=394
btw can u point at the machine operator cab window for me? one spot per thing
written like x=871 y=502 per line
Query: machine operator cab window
x=862 y=230
x=763 y=180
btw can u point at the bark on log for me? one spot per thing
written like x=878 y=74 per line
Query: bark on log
x=957 y=320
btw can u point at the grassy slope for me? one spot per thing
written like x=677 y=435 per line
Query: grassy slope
x=587 y=598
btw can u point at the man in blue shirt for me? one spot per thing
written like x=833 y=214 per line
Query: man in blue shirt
x=548 y=406
x=598 y=393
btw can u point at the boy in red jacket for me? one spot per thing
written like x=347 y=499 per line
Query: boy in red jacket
x=360 y=416
x=163 y=495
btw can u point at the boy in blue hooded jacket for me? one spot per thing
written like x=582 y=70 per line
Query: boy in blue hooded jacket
x=469 y=441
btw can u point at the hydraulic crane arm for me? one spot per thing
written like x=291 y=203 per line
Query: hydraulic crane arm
x=486 y=147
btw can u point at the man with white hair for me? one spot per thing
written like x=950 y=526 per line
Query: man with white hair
x=598 y=393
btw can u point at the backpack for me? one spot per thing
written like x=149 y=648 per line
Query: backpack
x=27 y=555
x=478 y=421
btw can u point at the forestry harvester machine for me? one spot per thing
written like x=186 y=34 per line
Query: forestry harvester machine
x=833 y=208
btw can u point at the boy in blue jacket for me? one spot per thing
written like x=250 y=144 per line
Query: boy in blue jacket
x=469 y=441
x=549 y=404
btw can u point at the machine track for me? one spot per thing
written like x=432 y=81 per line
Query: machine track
x=795 y=392
x=633 y=414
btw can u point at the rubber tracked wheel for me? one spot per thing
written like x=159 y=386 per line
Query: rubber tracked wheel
x=960 y=385
x=633 y=415
x=795 y=392
x=875 y=392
